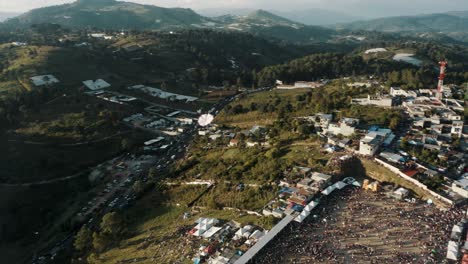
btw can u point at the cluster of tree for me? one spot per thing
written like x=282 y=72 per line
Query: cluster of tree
x=112 y=228
x=323 y=65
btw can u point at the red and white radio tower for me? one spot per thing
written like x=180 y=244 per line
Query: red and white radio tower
x=443 y=67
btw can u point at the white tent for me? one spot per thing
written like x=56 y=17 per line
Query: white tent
x=305 y=213
x=457 y=229
x=256 y=235
x=210 y=232
x=329 y=190
x=242 y=232
x=340 y=185
x=356 y=183
x=299 y=218
x=198 y=232
x=452 y=250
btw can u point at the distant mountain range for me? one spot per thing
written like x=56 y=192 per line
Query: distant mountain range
x=290 y=26
x=313 y=16
x=454 y=24
x=110 y=14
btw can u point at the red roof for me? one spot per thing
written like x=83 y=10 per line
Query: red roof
x=411 y=173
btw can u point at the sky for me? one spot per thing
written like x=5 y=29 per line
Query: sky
x=361 y=8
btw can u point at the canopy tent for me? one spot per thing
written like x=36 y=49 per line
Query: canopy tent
x=256 y=235
x=305 y=213
x=457 y=229
x=340 y=185
x=242 y=232
x=329 y=190
x=203 y=226
x=211 y=221
x=452 y=250
x=198 y=232
x=210 y=232
x=299 y=218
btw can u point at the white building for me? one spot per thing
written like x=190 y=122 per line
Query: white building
x=460 y=187
x=369 y=145
x=346 y=127
x=373 y=100
x=96 y=85
x=457 y=128
x=42 y=80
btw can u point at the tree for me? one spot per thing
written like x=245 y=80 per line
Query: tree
x=126 y=144
x=394 y=122
x=138 y=187
x=112 y=224
x=83 y=239
x=152 y=173
x=100 y=242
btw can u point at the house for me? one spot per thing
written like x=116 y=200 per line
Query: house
x=460 y=186
x=346 y=127
x=374 y=100
x=96 y=85
x=323 y=120
x=370 y=144
x=397 y=91
x=457 y=128
x=42 y=80
x=318 y=177
x=304 y=183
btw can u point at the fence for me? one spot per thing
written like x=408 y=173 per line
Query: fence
x=414 y=181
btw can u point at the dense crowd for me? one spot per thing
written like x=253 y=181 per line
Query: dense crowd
x=355 y=226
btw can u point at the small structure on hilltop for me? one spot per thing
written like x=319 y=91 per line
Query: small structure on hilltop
x=96 y=85
x=42 y=80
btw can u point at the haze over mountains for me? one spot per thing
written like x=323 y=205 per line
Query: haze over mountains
x=6 y=15
x=288 y=25
x=308 y=16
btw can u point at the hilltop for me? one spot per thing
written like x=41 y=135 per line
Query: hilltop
x=454 y=24
x=109 y=14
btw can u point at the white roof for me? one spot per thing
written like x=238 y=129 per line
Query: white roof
x=402 y=191
x=242 y=232
x=340 y=185
x=257 y=234
x=457 y=229
x=299 y=218
x=329 y=190
x=205 y=120
x=375 y=50
x=210 y=232
x=96 y=85
x=44 y=80
x=452 y=250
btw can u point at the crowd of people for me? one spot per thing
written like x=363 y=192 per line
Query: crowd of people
x=356 y=226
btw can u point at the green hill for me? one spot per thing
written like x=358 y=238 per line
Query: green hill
x=451 y=24
x=109 y=14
